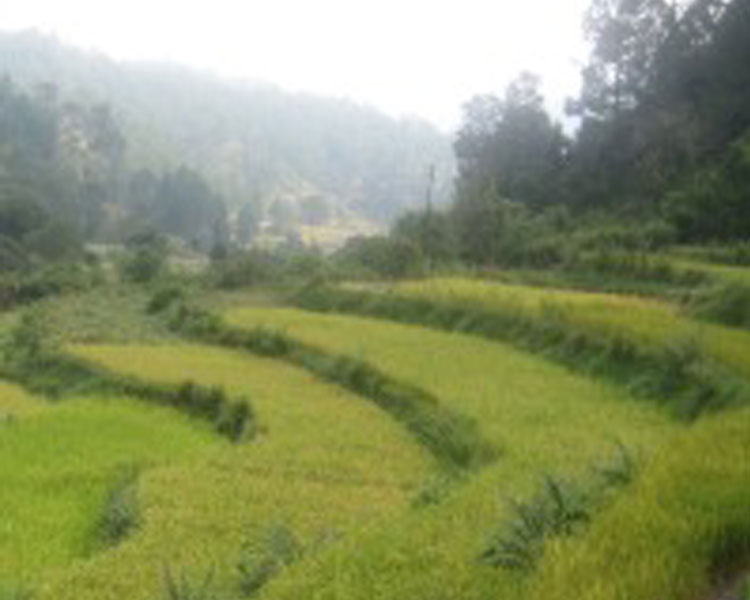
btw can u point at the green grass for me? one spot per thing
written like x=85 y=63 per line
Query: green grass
x=57 y=464
x=545 y=420
x=325 y=462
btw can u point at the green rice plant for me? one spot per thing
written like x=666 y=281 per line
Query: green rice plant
x=264 y=558
x=558 y=509
x=65 y=492
x=325 y=461
x=183 y=588
x=56 y=374
x=121 y=512
x=683 y=521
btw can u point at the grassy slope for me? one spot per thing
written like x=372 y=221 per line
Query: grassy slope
x=57 y=463
x=327 y=461
x=545 y=419
x=649 y=322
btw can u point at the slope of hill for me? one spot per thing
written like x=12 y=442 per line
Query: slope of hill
x=254 y=142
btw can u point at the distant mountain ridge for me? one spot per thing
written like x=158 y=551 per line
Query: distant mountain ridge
x=255 y=143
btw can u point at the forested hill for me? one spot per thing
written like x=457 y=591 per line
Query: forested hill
x=254 y=143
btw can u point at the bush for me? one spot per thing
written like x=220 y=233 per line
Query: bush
x=143 y=265
x=164 y=297
x=728 y=304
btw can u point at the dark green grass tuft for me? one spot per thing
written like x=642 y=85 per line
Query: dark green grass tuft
x=121 y=512
x=263 y=558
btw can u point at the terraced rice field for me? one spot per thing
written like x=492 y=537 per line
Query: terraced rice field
x=57 y=463
x=370 y=513
x=324 y=463
x=543 y=418
x=651 y=323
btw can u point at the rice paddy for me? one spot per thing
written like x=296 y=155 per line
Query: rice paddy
x=648 y=322
x=337 y=493
x=324 y=462
x=542 y=417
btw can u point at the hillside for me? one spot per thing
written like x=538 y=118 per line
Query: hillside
x=253 y=142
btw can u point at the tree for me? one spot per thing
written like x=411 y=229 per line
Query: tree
x=511 y=145
x=248 y=222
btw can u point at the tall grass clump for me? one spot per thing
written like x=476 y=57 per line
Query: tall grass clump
x=182 y=587
x=121 y=511
x=263 y=558
x=728 y=303
x=558 y=508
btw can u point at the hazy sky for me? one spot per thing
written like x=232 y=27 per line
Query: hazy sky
x=404 y=56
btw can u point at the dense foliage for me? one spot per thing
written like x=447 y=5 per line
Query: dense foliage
x=663 y=121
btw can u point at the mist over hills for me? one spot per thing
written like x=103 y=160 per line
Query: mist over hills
x=255 y=144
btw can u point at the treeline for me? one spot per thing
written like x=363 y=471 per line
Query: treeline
x=64 y=182
x=661 y=152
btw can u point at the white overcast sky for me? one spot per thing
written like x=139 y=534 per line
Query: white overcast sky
x=414 y=57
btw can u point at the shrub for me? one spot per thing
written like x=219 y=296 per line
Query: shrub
x=728 y=304
x=143 y=265
x=165 y=297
